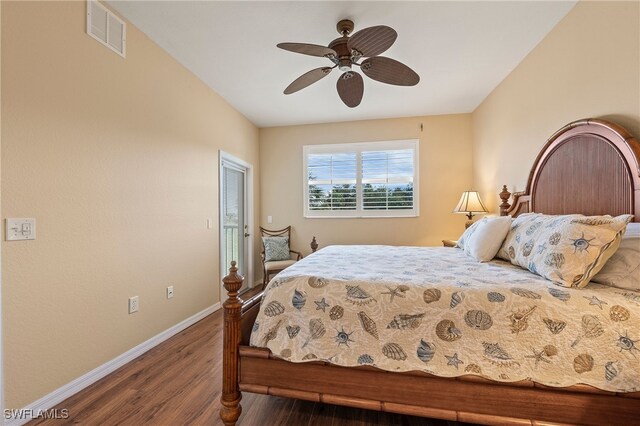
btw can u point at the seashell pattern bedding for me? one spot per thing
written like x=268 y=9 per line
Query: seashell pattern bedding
x=436 y=310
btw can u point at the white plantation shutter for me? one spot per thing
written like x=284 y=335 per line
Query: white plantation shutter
x=332 y=181
x=387 y=179
x=367 y=179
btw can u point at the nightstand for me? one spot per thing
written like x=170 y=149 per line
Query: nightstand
x=449 y=243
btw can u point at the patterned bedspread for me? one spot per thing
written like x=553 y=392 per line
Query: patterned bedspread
x=436 y=310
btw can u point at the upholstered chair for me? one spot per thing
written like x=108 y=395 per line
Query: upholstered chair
x=276 y=252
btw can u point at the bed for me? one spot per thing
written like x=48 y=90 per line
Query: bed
x=589 y=167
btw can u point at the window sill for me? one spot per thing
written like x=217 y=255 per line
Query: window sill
x=306 y=216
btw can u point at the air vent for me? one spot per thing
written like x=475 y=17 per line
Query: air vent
x=106 y=27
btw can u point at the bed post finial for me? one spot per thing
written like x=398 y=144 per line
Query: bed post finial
x=231 y=396
x=314 y=245
x=504 y=196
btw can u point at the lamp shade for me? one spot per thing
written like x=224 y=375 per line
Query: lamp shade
x=470 y=202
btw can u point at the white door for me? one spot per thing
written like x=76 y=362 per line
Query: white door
x=235 y=218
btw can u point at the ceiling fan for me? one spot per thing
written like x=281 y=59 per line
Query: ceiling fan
x=345 y=52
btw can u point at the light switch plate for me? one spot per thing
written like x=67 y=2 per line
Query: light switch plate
x=269 y=219
x=20 y=229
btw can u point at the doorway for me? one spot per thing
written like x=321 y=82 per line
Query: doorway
x=236 y=218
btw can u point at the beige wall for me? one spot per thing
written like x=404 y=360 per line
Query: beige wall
x=445 y=171
x=588 y=66
x=117 y=159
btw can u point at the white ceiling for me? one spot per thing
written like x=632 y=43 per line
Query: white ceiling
x=461 y=50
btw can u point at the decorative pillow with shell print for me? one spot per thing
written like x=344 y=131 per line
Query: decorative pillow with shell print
x=568 y=250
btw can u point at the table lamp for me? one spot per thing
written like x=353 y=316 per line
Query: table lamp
x=469 y=204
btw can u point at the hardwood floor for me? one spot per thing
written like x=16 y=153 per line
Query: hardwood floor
x=178 y=382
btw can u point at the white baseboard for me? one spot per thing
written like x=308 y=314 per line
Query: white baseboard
x=57 y=396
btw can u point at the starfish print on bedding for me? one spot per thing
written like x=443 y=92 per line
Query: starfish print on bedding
x=398 y=291
x=321 y=305
x=453 y=360
x=538 y=356
x=593 y=300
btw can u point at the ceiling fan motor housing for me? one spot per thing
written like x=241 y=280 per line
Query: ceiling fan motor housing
x=344 y=56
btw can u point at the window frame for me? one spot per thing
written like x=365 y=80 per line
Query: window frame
x=358 y=148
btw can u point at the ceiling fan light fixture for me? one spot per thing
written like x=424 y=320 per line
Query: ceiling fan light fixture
x=344 y=65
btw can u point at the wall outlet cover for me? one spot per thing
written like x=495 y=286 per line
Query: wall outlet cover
x=134 y=304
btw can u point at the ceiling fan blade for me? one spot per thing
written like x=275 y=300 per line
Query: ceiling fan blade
x=350 y=88
x=307 y=49
x=372 y=41
x=390 y=71
x=307 y=79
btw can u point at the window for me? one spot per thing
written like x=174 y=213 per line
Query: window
x=369 y=179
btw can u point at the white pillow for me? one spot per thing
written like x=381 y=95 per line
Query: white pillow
x=485 y=239
x=462 y=241
x=623 y=268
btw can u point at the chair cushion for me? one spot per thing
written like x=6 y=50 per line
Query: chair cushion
x=276 y=248
x=278 y=265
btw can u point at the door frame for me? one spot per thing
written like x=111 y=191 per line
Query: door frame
x=224 y=269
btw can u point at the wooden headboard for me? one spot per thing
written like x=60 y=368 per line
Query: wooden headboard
x=589 y=166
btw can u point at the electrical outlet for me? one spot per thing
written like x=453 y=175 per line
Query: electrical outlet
x=169 y=292
x=134 y=304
